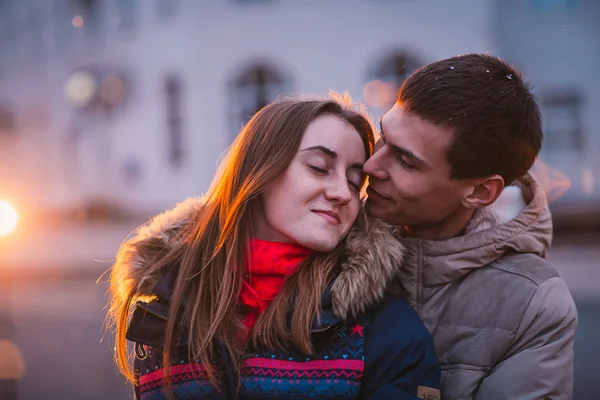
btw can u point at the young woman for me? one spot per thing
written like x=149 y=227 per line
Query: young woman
x=272 y=285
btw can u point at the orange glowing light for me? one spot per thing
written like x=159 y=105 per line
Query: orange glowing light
x=554 y=182
x=77 y=21
x=8 y=218
x=378 y=94
x=13 y=363
x=112 y=90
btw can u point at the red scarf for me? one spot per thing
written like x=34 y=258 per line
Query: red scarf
x=268 y=265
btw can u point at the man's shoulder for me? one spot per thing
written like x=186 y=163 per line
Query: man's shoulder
x=476 y=319
x=498 y=295
x=525 y=268
x=519 y=275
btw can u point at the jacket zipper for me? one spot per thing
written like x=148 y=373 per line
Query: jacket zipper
x=322 y=329
x=156 y=314
x=140 y=351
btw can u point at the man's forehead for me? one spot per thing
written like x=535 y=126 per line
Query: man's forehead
x=396 y=126
x=428 y=140
x=395 y=113
x=398 y=119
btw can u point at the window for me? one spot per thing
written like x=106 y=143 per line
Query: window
x=553 y=6
x=91 y=12
x=63 y=25
x=128 y=11
x=174 y=121
x=7 y=42
x=254 y=88
x=10 y=36
x=254 y=1
x=168 y=9
x=132 y=170
x=5 y=6
x=561 y=113
x=386 y=77
x=36 y=38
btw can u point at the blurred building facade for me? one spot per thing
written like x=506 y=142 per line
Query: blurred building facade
x=133 y=101
x=557 y=44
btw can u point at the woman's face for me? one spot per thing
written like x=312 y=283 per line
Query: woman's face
x=316 y=200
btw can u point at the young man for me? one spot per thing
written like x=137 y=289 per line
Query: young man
x=451 y=172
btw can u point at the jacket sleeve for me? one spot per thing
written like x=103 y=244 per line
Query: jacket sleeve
x=539 y=365
x=400 y=359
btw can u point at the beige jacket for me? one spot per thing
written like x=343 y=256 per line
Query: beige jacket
x=502 y=319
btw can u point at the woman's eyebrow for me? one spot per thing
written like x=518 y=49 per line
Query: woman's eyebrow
x=323 y=149
x=331 y=153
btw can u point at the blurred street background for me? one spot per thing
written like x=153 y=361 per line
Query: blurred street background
x=114 y=110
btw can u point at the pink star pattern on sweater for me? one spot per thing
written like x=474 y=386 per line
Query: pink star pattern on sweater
x=357 y=329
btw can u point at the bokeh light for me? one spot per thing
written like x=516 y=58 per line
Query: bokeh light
x=80 y=88
x=8 y=218
x=77 y=21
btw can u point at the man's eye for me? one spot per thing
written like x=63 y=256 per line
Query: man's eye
x=404 y=164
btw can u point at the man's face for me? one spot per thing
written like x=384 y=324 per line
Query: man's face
x=409 y=175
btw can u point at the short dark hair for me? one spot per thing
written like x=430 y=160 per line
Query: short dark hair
x=494 y=115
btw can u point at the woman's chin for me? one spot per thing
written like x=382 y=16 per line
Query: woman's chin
x=321 y=244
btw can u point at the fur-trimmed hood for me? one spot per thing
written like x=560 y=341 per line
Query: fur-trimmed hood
x=373 y=257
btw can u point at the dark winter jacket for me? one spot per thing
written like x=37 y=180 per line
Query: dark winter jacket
x=367 y=345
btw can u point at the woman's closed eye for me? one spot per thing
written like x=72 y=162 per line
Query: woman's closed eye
x=354 y=186
x=355 y=178
x=318 y=170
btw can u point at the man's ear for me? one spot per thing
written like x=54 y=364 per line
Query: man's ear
x=484 y=192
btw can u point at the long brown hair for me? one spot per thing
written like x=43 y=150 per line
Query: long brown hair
x=210 y=249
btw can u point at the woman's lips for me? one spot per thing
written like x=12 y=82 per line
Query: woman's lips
x=330 y=216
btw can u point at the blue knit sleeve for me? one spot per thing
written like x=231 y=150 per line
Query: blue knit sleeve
x=400 y=358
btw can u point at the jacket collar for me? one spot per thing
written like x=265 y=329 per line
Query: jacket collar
x=519 y=221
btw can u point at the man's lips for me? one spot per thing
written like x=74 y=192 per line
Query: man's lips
x=330 y=216
x=374 y=193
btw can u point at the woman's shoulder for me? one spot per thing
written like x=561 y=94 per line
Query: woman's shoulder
x=400 y=357
x=134 y=271
x=143 y=275
x=394 y=319
x=373 y=256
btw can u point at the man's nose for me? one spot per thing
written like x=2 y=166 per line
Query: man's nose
x=375 y=168
x=378 y=145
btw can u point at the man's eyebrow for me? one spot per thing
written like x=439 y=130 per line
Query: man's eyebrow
x=331 y=153
x=406 y=153
x=401 y=150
